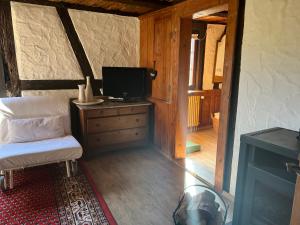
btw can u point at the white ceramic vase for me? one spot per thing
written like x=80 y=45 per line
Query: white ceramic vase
x=88 y=90
x=81 y=94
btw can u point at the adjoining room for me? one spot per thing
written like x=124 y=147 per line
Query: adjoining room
x=204 y=94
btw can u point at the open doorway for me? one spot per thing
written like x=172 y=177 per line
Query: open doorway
x=205 y=81
x=205 y=87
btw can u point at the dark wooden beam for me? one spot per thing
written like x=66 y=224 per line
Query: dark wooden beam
x=223 y=14
x=77 y=46
x=76 y=6
x=55 y=84
x=7 y=49
x=143 y=3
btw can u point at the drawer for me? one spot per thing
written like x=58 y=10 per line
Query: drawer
x=116 y=111
x=116 y=123
x=102 y=112
x=133 y=110
x=117 y=137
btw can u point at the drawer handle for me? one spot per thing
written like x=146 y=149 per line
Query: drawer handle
x=136 y=133
x=137 y=120
x=98 y=139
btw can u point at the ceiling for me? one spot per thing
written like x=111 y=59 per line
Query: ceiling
x=137 y=7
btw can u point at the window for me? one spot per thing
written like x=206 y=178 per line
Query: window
x=192 y=62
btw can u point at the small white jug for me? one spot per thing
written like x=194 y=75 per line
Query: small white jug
x=81 y=94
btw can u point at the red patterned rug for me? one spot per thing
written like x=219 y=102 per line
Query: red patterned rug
x=44 y=195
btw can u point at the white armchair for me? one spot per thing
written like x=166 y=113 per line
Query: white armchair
x=35 y=131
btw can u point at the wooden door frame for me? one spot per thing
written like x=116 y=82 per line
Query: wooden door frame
x=226 y=96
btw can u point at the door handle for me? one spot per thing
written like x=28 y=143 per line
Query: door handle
x=293 y=168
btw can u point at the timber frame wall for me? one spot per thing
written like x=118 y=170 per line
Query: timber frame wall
x=171 y=112
x=7 y=48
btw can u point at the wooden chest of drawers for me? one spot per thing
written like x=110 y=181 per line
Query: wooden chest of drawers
x=113 y=125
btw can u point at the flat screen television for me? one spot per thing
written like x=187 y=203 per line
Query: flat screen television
x=129 y=83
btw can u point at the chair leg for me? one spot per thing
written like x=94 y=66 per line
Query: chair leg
x=68 y=167
x=4 y=180
x=74 y=165
x=11 y=179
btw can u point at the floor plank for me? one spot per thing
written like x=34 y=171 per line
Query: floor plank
x=207 y=139
x=140 y=186
x=203 y=162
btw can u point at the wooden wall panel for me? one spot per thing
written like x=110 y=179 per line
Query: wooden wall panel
x=169 y=116
x=183 y=81
x=159 y=52
x=216 y=100
x=223 y=1
x=143 y=42
x=206 y=105
x=161 y=127
x=161 y=57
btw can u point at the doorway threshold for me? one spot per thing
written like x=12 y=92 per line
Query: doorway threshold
x=205 y=176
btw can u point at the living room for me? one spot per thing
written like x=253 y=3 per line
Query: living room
x=111 y=156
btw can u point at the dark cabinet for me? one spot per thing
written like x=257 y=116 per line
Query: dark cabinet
x=265 y=189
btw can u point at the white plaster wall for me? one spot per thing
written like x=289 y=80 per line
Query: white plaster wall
x=269 y=91
x=57 y=93
x=108 y=40
x=42 y=47
x=213 y=33
x=44 y=53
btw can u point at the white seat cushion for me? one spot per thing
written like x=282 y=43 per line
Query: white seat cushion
x=32 y=107
x=21 y=155
x=35 y=129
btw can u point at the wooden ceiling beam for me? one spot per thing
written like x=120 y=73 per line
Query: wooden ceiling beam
x=143 y=3
x=220 y=14
x=75 y=6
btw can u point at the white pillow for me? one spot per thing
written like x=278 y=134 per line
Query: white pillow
x=35 y=129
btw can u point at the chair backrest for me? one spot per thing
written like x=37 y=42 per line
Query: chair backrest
x=32 y=107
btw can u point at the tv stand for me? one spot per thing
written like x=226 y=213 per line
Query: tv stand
x=114 y=126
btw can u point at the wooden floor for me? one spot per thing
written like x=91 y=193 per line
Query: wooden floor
x=141 y=187
x=203 y=163
x=207 y=139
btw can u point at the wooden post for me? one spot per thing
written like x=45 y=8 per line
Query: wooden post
x=7 y=49
x=229 y=66
x=184 y=54
x=77 y=46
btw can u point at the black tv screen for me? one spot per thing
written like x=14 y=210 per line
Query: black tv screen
x=124 y=82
